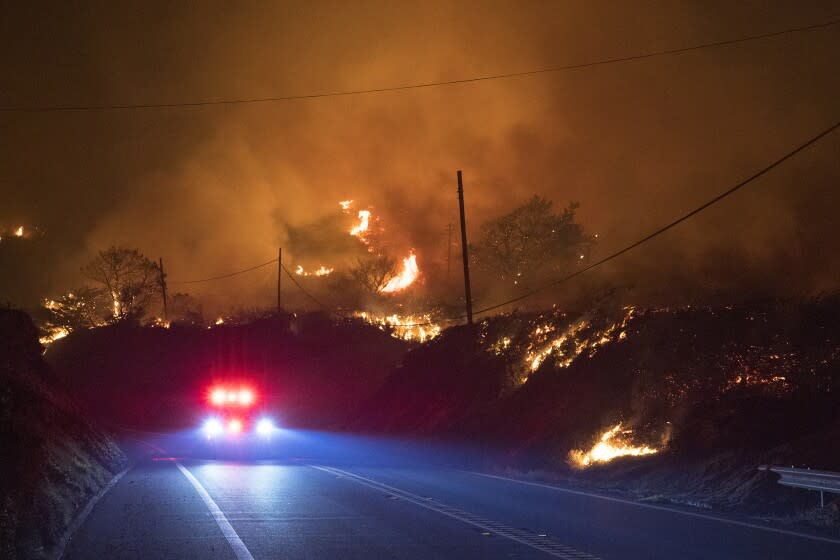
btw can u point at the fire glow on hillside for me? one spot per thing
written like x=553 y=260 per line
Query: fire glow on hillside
x=17 y=232
x=613 y=443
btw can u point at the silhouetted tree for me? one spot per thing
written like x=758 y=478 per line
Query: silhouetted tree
x=530 y=241
x=371 y=274
x=128 y=279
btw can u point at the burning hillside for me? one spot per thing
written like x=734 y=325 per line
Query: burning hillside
x=600 y=388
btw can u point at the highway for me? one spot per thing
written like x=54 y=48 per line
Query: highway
x=307 y=507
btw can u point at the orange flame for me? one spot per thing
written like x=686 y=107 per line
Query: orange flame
x=361 y=228
x=613 y=443
x=321 y=271
x=19 y=232
x=409 y=273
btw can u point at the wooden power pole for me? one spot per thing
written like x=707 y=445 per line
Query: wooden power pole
x=464 y=251
x=279 y=278
x=449 y=254
x=162 y=280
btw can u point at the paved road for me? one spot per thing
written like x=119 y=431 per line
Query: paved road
x=193 y=508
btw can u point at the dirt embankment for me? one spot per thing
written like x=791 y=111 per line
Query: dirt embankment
x=53 y=460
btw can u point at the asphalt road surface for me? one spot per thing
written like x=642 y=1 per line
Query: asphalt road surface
x=187 y=507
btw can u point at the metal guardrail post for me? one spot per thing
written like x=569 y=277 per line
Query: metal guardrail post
x=810 y=479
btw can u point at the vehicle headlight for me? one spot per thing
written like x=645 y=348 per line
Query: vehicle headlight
x=213 y=427
x=265 y=427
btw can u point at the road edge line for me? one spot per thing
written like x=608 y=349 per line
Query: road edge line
x=661 y=508
x=239 y=549
x=61 y=547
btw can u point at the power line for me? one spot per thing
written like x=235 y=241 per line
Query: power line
x=223 y=276
x=676 y=222
x=306 y=293
x=421 y=85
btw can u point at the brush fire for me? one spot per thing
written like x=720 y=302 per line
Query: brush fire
x=320 y=271
x=419 y=328
x=613 y=443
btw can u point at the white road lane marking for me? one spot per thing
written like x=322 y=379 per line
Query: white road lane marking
x=239 y=548
x=661 y=508
x=521 y=536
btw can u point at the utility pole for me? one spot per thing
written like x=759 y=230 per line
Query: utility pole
x=162 y=280
x=464 y=251
x=449 y=254
x=279 y=277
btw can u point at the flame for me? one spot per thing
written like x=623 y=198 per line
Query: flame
x=406 y=277
x=321 y=271
x=345 y=204
x=407 y=327
x=55 y=334
x=220 y=321
x=361 y=228
x=19 y=232
x=612 y=444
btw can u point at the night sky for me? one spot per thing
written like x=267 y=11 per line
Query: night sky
x=218 y=188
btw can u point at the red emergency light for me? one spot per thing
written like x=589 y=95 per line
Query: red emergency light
x=228 y=396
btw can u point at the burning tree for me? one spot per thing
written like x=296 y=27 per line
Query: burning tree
x=79 y=309
x=530 y=240
x=127 y=277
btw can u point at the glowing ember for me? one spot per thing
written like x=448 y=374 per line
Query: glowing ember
x=559 y=346
x=578 y=338
x=409 y=273
x=615 y=442
x=321 y=271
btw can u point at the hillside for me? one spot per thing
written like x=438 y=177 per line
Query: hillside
x=53 y=459
x=309 y=368
x=707 y=394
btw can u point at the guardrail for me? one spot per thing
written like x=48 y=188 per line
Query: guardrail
x=820 y=481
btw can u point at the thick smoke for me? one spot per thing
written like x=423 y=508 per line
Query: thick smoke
x=215 y=189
